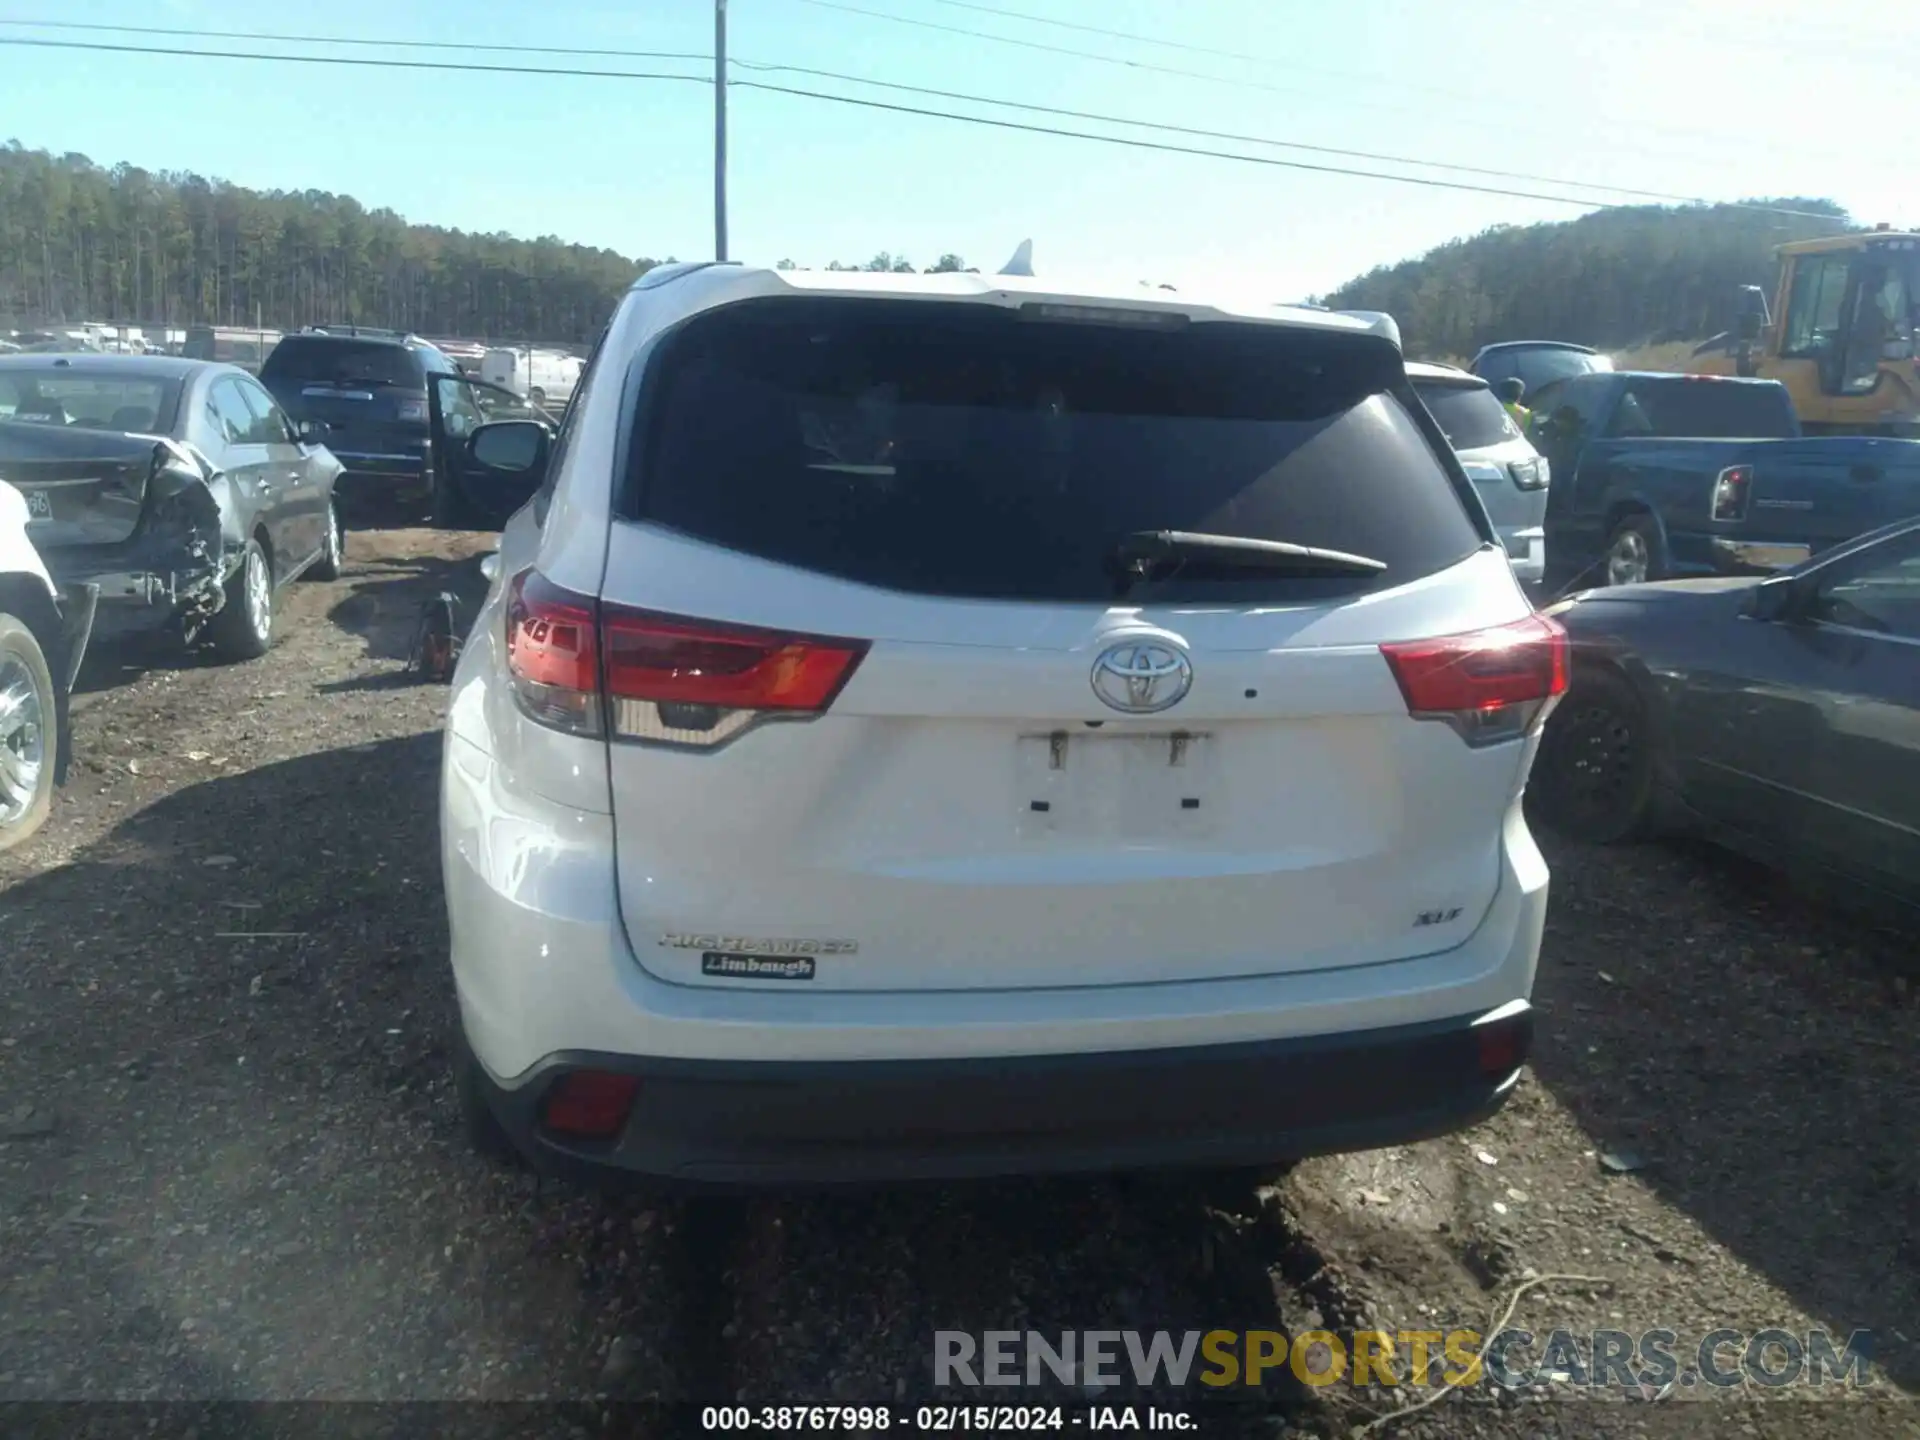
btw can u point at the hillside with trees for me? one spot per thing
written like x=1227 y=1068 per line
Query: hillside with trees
x=1613 y=279
x=82 y=242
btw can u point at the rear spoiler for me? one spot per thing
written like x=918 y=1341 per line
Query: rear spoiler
x=1377 y=321
x=25 y=444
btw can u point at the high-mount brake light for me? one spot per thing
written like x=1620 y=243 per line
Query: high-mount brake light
x=1488 y=685
x=1138 y=317
x=664 y=679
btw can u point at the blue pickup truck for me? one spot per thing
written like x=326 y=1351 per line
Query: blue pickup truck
x=1661 y=476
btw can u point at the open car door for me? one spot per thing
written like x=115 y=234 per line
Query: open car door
x=469 y=492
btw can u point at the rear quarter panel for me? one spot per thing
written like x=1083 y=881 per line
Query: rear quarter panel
x=1672 y=480
x=17 y=555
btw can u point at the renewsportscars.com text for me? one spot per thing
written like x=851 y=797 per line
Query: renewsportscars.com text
x=1600 y=1359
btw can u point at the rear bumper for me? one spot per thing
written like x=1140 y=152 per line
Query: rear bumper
x=145 y=584
x=755 y=1123
x=1696 y=555
x=399 y=472
x=750 y=1083
x=1526 y=548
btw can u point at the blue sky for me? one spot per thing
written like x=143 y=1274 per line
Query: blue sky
x=1718 y=99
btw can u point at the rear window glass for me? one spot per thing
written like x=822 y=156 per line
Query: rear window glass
x=141 y=404
x=1703 y=408
x=362 y=362
x=1470 y=415
x=963 y=451
x=1542 y=367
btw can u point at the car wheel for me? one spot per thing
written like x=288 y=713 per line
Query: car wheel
x=29 y=733
x=538 y=396
x=243 y=628
x=1635 y=552
x=1593 y=777
x=327 y=567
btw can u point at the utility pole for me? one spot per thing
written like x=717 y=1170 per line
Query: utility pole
x=720 y=129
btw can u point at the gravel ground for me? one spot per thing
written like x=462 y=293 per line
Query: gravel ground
x=230 y=1165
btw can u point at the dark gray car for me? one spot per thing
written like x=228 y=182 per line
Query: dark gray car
x=1779 y=715
x=176 y=490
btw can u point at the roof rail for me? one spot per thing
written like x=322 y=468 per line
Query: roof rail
x=369 y=331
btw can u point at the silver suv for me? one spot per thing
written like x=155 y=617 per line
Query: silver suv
x=1509 y=475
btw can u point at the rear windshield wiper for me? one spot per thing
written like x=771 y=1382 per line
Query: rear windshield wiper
x=1157 y=554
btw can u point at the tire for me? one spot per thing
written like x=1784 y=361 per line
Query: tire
x=29 y=733
x=1636 y=552
x=327 y=567
x=243 y=627
x=538 y=397
x=1593 y=777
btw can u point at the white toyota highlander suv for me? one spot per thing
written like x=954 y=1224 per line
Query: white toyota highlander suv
x=939 y=725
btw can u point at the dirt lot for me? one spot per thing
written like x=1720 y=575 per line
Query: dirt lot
x=231 y=1167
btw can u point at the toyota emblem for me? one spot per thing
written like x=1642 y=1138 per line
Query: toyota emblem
x=1141 y=677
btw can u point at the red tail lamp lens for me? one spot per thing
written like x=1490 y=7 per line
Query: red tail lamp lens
x=590 y=1104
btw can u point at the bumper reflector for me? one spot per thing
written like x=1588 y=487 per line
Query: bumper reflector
x=589 y=1104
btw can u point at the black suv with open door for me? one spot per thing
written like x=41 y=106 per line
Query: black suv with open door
x=370 y=390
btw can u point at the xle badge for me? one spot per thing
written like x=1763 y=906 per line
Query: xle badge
x=756 y=967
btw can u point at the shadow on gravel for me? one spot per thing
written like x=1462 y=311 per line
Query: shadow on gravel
x=845 y=1293
x=234 y=1007
x=111 y=663
x=383 y=605
x=1757 y=1049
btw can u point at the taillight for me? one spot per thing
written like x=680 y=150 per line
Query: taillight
x=1529 y=474
x=666 y=679
x=691 y=682
x=1732 y=488
x=411 y=409
x=1488 y=685
x=551 y=654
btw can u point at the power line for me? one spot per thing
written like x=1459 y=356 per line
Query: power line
x=1045 y=48
x=1430 y=182
x=1165 y=127
x=180 y=33
x=101 y=45
x=1138 y=39
x=1212 y=78
x=622 y=54
x=176 y=33
x=1172 y=129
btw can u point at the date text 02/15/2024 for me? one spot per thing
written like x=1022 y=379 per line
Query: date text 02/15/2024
x=943 y=1419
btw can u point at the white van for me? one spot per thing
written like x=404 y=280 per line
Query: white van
x=543 y=376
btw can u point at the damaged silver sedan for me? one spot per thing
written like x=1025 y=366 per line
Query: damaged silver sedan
x=175 y=493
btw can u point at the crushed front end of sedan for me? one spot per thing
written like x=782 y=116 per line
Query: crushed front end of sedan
x=145 y=522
